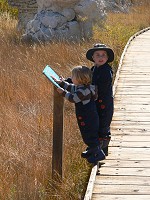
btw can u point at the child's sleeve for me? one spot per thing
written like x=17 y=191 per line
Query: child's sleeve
x=76 y=97
x=67 y=86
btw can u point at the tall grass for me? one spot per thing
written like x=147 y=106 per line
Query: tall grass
x=26 y=98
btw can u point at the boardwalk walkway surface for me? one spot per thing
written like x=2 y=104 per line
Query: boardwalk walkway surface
x=125 y=174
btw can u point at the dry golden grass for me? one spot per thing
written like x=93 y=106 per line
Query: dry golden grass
x=26 y=98
x=26 y=120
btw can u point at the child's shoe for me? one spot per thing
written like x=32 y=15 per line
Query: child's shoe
x=96 y=156
x=86 y=153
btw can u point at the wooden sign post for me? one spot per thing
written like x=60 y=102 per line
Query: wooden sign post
x=57 y=155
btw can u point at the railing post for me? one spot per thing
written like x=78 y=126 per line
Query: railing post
x=57 y=154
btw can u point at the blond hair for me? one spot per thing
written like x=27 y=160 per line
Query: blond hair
x=83 y=74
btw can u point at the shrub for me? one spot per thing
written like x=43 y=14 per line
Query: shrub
x=5 y=7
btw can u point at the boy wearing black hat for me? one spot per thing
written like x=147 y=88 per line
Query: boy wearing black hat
x=101 y=55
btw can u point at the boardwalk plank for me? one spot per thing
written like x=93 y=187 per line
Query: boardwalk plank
x=137 y=144
x=132 y=128
x=120 y=197
x=133 y=107
x=125 y=164
x=135 y=82
x=132 y=138
x=122 y=189
x=142 y=172
x=135 y=118
x=131 y=156
x=132 y=101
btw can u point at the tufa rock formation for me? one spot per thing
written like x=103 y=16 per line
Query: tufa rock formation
x=46 y=20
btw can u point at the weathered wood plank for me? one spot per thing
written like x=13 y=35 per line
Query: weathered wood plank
x=124 y=163
x=132 y=138
x=137 y=87
x=132 y=101
x=135 y=156
x=133 y=107
x=124 y=88
x=133 y=67
x=137 y=144
x=134 y=82
x=130 y=119
x=131 y=114
x=122 y=180
x=122 y=189
x=131 y=128
x=142 y=172
x=138 y=79
x=99 y=196
x=133 y=118
x=139 y=73
x=136 y=75
x=129 y=123
x=137 y=92
x=127 y=131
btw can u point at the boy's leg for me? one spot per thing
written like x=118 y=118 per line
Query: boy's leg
x=89 y=130
x=105 y=118
x=104 y=130
x=104 y=143
x=104 y=137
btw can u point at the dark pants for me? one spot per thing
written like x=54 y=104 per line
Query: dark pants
x=105 y=112
x=88 y=122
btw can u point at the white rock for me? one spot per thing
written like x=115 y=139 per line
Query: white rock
x=70 y=31
x=70 y=19
x=49 y=21
x=36 y=25
x=68 y=13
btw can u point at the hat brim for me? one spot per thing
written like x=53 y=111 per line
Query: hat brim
x=109 y=51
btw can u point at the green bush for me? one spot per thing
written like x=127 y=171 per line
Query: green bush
x=5 y=7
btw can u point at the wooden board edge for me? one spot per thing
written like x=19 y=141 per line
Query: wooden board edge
x=90 y=186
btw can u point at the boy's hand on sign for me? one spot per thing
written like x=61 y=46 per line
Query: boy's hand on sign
x=62 y=78
x=56 y=80
x=60 y=90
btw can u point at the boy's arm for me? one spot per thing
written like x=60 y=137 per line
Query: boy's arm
x=69 y=80
x=75 y=97
x=67 y=86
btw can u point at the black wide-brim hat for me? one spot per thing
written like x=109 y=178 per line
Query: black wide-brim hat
x=98 y=47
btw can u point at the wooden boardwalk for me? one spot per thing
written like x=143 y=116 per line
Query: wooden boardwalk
x=125 y=174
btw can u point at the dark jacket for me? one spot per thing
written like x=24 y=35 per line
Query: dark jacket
x=102 y=78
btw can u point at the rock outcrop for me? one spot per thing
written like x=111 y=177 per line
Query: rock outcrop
x=46 y=20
